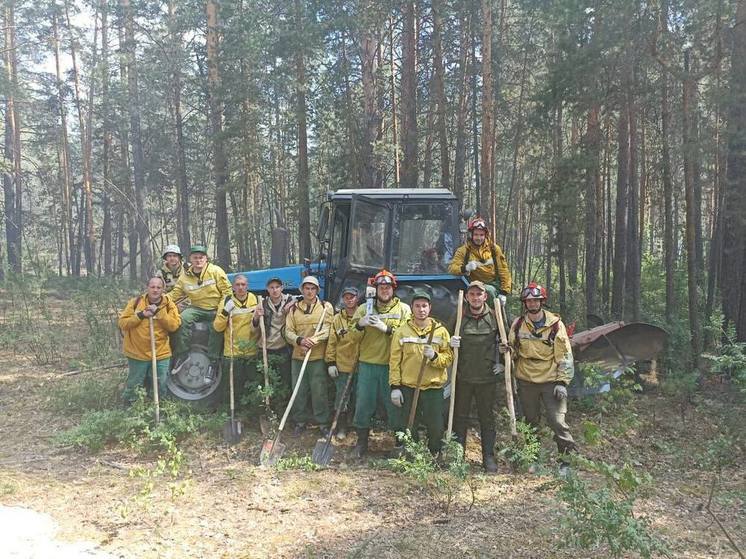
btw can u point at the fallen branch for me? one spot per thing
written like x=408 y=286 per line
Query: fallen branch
x=102 y=368
x=717 y=521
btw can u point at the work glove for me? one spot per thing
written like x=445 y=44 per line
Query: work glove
x=502 y=298
x=365 y=320
x=229 y=306
x=503 y=348
x=560 y=392
x=497 y=368
x=455 y=342
x=378 y=324
x=332 y=370
x=429 y=352
x=471 y=265
x=397 y=398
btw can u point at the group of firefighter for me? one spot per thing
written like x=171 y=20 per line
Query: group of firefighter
x=385 y=347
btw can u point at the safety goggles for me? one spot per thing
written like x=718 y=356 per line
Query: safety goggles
x=385 y=280
x=532 y=292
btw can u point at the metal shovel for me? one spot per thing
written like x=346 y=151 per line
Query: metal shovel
x=323 y=451
x=232 y=430
x=272 y=450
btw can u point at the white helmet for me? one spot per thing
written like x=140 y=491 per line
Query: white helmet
x=312 y=280
x=171 y=249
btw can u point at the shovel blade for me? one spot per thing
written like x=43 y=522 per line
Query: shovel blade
x=264 y=425
x=232 y=431
x=322 y=452
x=272 y=451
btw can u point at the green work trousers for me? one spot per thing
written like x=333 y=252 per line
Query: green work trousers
x=246 y=381
x=312 y=401
x=485 y=395
x=532 y=395
x=339 y=384
x=372 y=388
x=429 y=413
x=189 y=317
x=140 y=375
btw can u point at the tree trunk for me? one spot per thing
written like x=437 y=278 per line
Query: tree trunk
x=462 y=111
x=106 y=229
x=372 y=117
x=486 y=194
x=304 y=212
x=632 y=266
x=592 y=180
x=440 y=94
x=223 y=246
x=408 y=99
x=620 y=231
x=138 y=159
x=394 y=107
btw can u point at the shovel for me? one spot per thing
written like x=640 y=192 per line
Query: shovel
x=264 y=424
x=232 y=430
x=154 y=370
x=415 y=399
x=454 y=368
x=323 y=451
x=272 y=450
x=508 y=368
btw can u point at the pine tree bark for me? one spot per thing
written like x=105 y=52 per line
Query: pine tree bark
x=592 y=180
x=223 y=248
x=408 y=99
x=439 y=94
x=369 y=48
x=620 y=227
x=304 y=212
x=462 y=110
x=632 y=268
x=486 y=194
x=106 y=117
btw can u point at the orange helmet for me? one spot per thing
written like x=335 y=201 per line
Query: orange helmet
x=477 y=223
x=384 y=277
x=534 y=291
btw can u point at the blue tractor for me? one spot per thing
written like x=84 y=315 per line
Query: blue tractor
x=410 y=232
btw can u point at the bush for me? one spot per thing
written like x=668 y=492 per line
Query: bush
x=82 y=394
x=525 y=450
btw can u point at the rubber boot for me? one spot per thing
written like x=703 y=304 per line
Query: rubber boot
x=488 y=451
x=361 y=446
x=460 y=433
x=342 y=426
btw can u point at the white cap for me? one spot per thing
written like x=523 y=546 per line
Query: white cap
x=171 y=248
x=312 y=280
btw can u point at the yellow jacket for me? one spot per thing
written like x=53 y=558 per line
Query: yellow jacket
x=204 y=290
x=136 y=330
x=244 y=333
x=170 y=277
x=375 y=346
x=301 y=322
x=486 y=272
x=342 y=347
x=407 y=352
x=538 y=358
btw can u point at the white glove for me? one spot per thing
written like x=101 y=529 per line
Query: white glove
x=502 y=298
x=455 y=342
x=497 y=368
x=397 y=398
x=365 y=320
x=378 y=324
x=428 y=351
x=229 y=306
x=471 y=265
x=332 y=370
x=560 y=392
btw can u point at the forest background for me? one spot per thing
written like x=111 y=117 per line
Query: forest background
x=604 y=140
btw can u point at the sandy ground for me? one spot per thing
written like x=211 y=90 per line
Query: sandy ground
x=223 y=505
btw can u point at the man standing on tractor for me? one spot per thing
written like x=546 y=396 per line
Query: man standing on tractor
x=205 y=285
x=134 y=323
x=409 y=348
x=483 y=260
x=239 y=309
x=341 y=355
x=544 y=367
x=478 y=368
x=273 y=311
x=172 y=267
x=312 y=401
x=373 y=332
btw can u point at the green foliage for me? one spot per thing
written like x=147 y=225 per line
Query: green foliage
x=254 y=393
x=591 y=433
x=730 y=358
x=78 y=395
x=721 y=452
x=525 y=450
x=605 y=516
x=297 y=462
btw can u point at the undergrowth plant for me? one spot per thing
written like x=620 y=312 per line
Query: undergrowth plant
x=297 y=462
x=603 y=517
x=525 y=450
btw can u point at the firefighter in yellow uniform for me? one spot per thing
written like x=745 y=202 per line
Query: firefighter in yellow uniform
x=375 y=325
x=409 y=346
x=312 y=401
x=236 y=312
x=544 y=367
x=172 y=267
x=341 y=356
x=135 y=324
x=205 y=285
x=481 y=259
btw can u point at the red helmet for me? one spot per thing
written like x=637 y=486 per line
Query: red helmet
x=384 y=277
x=476 y=223
x=534 y=291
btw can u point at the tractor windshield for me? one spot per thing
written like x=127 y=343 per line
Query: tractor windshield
x=424 y=238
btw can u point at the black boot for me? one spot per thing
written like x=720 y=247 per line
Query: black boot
x=361 y=447
x=488 y=451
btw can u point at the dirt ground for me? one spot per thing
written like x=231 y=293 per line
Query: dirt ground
x=224 y=505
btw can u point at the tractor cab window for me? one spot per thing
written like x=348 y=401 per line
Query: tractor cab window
x=339 y=236
x=424 y=238
x=368 y=228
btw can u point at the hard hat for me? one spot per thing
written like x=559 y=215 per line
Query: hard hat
x=384 y=277
x=312 y=280
x=171 y=249
x=533 y=291
x=477 y=223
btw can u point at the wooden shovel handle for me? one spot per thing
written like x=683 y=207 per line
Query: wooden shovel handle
x=416 y=397
x=454 y=367
x=154 y=370
x=263 y=330
x=508 y=368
